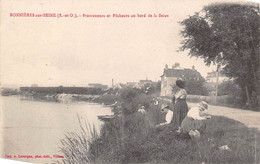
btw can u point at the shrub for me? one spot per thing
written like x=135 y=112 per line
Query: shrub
x=108 y=99
x=130 y=100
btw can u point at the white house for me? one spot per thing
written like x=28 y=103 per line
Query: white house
x=170 y=75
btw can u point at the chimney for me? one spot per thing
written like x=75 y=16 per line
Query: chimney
x=175 y=65
x=193 y=67
x=112 y=83
x=166 y=66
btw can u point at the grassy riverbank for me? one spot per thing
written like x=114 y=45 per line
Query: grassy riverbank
x=134 y=138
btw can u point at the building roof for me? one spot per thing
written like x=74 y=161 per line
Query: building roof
x=179 y=72
x=94 y=84
x=145 y=81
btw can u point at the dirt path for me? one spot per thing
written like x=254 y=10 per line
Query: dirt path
x=249 y=118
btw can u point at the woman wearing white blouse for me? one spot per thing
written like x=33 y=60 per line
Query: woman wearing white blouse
x=193 y=120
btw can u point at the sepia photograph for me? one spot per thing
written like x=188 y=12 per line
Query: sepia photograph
x=130 y=81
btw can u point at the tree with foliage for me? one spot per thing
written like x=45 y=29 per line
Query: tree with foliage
x=228 y=87
x=228 y=35
x=158 y=87
x=195 y=85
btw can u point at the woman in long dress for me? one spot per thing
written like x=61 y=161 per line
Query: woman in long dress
x=180 y=107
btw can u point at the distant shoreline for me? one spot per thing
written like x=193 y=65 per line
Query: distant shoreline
x=58 y=97
x=59 y=94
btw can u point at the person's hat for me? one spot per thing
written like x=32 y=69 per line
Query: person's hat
x=165 y=106
x=203 y=105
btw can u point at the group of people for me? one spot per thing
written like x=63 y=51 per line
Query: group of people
x=183 y=119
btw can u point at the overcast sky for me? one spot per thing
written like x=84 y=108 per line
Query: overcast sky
x=78 y=51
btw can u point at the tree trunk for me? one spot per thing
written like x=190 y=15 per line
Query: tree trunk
x=243 y=95
x=252 y=101
x=248 y=98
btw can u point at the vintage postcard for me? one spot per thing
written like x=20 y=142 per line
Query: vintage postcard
x=135 y=81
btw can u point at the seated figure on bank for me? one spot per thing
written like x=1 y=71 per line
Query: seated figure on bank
x=169 y=114
x=193 y=123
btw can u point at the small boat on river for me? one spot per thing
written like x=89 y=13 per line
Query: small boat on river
x=108 y=117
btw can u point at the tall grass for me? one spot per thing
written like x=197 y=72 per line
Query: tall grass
x=75 y=147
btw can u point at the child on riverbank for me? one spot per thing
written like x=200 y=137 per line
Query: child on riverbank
x=169 y=114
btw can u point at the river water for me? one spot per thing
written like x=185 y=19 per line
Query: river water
x=36 y=127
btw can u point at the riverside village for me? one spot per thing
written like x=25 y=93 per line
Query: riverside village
x=76 y=91
x=140 y=126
